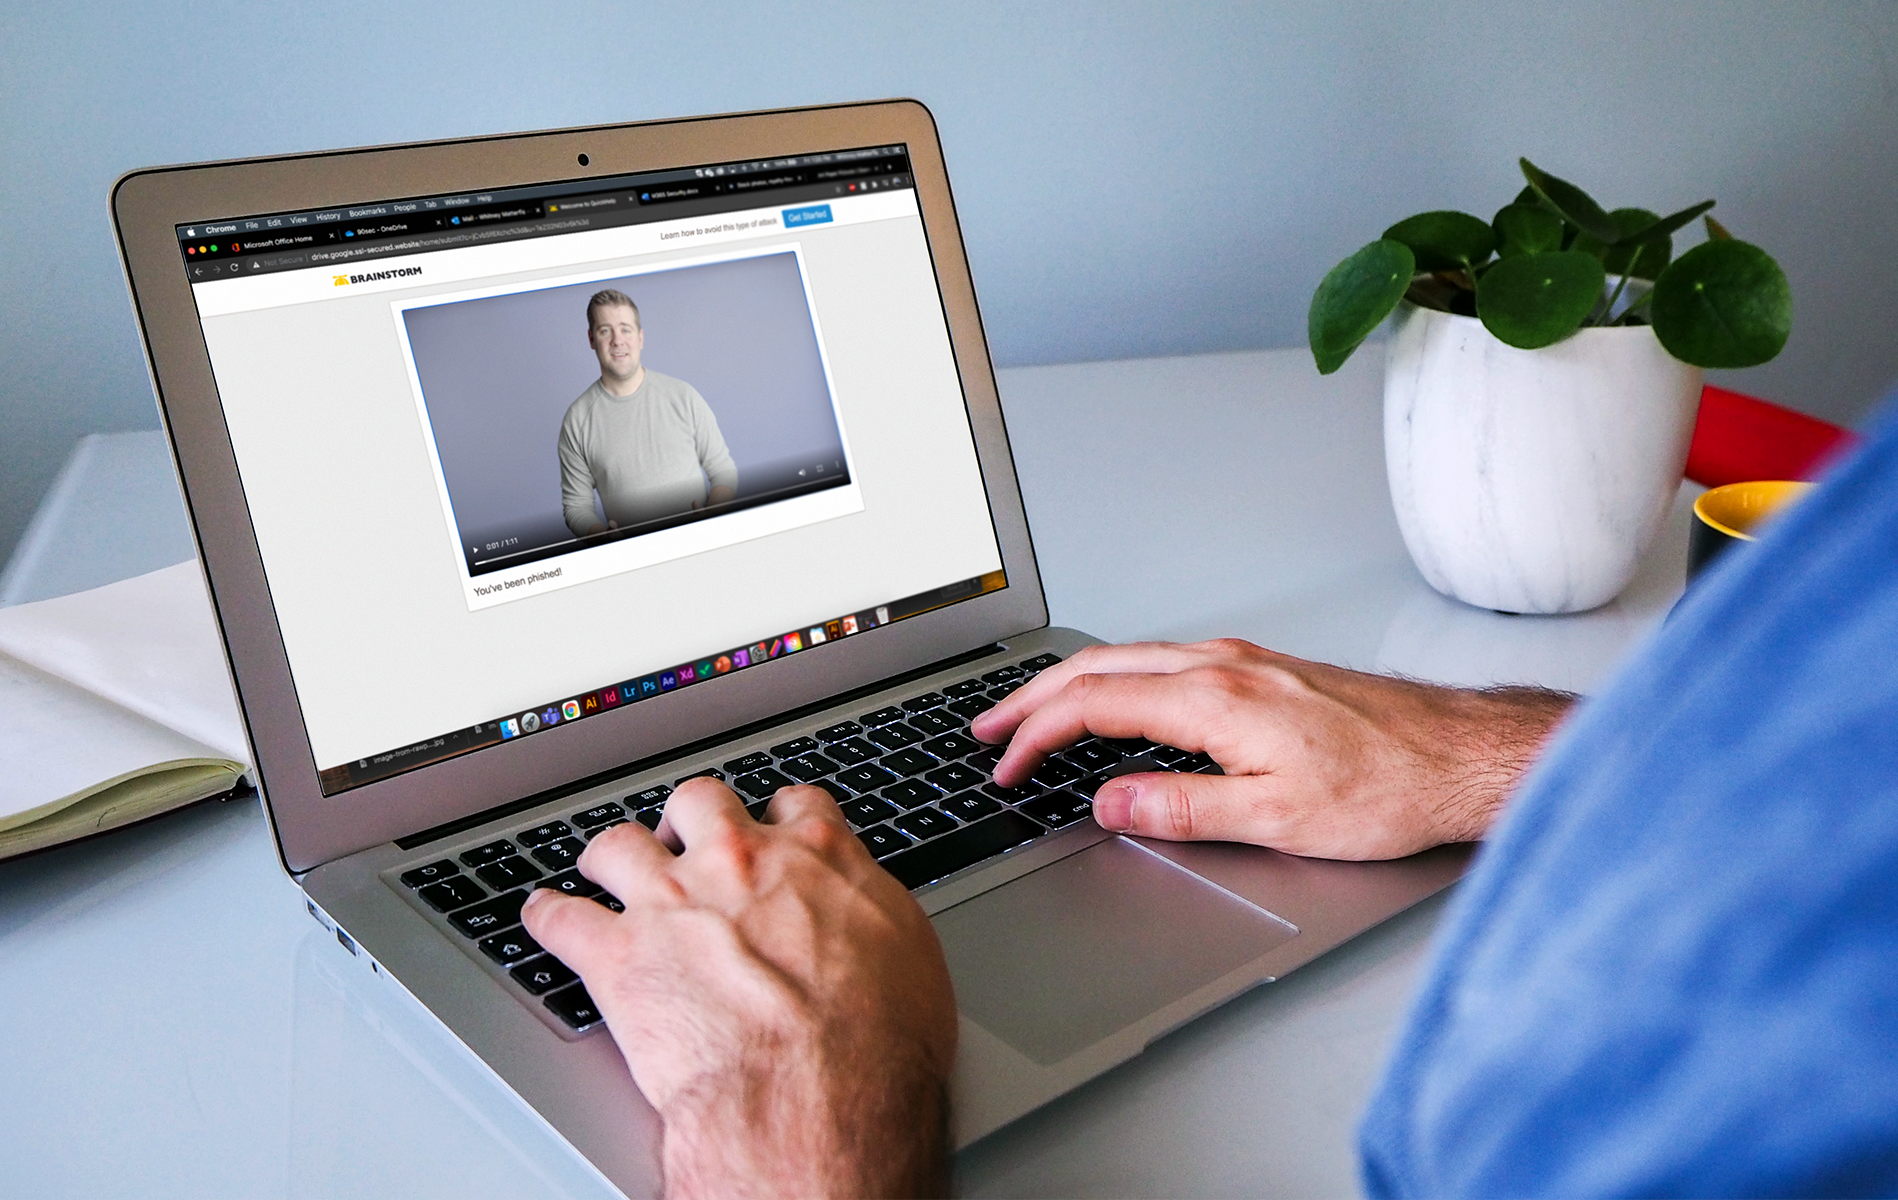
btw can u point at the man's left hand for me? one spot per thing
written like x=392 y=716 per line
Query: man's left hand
x=781 y=1000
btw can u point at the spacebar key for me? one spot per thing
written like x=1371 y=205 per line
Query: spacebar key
x=964 y=848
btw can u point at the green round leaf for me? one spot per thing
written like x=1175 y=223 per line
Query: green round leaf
x=1443 y=241
x=1724 y=303
x=1526 y=229
x=1358 y=294
x=1535 y=300
x=1638 y=259
x=1577 y=207
x=1645 y=259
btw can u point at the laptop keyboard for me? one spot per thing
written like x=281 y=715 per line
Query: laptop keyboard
x=912 y=781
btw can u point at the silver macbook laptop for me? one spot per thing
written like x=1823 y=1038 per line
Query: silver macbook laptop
x=534 y=474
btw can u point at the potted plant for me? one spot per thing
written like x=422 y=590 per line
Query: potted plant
x=1542 y=380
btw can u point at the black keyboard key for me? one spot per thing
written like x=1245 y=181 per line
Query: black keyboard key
x=923 y=703
x=911 y=762
x=756 y=809
x=934 y=722
x=599 y=814
x=955 y=778
x=509 y=872
x=895 y=737
x=561 y=854
x=1054 y=773
x=608 y=900
x=852 y=751
x=1040 y=662
x=910 y=793
x=571 y=883
x=707 y=773
x=882 y=716
x=430 y=873
x=1169 y=757
x=574 y=1006
x=488 y=853
x=656 y=794
x=649 y=817
x=1011 y=795
x=755 y=761
x=970 y=707
x=1129 y=746
x=540 y=835
x=838 y=732
x=490 y=916
x=969 y=806
x=456 y=891
x=1003 y=676
x=1000 y=691
x=866 y=778
x=882 y=841
x=968 y=687
x=762 y=785
x=924 y=823
x=984 y=760
x=1091 y=756
x=509 y=948
x=795 y=747
x=961 y=848
x=868 y=811
x=543 y=974
x=809 y=766
x=1201 y=763
x=597 y=830
x=1059 y=808
x=952 y=745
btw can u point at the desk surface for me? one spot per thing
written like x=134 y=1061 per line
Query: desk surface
x=177 y=1025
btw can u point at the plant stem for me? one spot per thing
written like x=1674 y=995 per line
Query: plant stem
x=1608 y=309
x=1634 y=307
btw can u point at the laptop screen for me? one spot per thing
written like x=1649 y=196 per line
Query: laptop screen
x=521 y=457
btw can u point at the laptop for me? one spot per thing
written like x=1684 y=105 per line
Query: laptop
x=488 y=588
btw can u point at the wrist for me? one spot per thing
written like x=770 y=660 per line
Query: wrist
x=1498 y=733
x=788 y=1126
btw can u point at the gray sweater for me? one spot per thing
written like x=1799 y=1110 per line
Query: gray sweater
x=655 y=453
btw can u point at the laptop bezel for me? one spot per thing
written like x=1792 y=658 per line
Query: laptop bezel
x=147 y=207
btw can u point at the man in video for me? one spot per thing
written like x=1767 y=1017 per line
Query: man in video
x=646 y=442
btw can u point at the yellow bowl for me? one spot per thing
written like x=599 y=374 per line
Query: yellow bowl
x=1730 y=514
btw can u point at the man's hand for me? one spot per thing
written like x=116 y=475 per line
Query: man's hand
x=781 y=1000
x=1319 y=760
x=596 y=527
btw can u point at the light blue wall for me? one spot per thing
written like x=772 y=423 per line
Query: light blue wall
x=1133 y=178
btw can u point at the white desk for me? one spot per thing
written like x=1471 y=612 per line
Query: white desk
x=175 y=1025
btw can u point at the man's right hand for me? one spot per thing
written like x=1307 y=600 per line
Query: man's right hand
x=1318 y=760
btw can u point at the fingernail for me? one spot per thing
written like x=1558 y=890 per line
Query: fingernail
x=1114 y=807
x=533 y=898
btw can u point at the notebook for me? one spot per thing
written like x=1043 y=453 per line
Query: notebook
x=119 y=709
x=534 y=474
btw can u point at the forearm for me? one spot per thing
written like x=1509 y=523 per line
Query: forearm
x=1490 y=737
x=883 y=1131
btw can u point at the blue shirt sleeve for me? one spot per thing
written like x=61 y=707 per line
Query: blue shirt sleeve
x=1674 y=968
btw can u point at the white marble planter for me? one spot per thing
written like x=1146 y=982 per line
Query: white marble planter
x=1530 y=481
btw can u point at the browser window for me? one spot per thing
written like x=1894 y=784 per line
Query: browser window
x=518 y=458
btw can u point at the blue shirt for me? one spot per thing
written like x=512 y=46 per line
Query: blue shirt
x=1673 y=970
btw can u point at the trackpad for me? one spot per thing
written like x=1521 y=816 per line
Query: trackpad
x=1059 y=959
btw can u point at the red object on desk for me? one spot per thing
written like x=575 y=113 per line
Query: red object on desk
x=1739 y=437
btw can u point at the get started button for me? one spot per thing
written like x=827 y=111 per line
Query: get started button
x=810 y=214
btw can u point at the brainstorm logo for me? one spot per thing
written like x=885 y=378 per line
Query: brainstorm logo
x=375 y=276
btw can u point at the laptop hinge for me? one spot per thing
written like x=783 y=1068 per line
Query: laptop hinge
x=462 y=824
